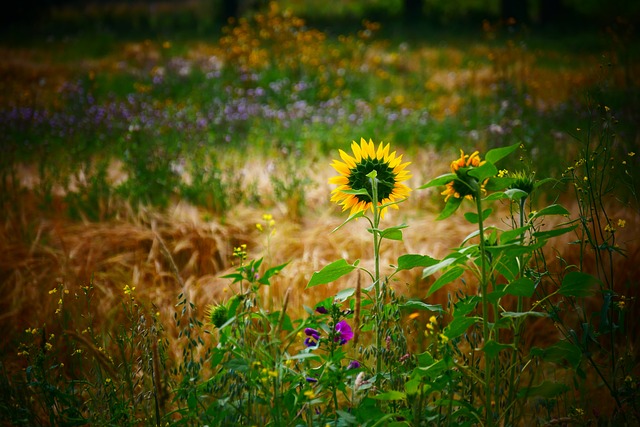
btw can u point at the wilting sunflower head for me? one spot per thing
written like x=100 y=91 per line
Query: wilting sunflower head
x=353 y=172
x=464 y=185
x=466 y=160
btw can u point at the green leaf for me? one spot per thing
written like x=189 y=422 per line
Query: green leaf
x=331 y=272
x=419 y=305
x=547 y=389
x=391 y=395
x=409 y=261
x=344 y=294
x=522 y=287
x=483 y=172
x=543 y=181
x=492 y=348
x=551 y=210
x=459 y=326
x=559 y=352
x=578 y=284
x=441 y=180
x=498 y=183
x=512 y=235
x=472 y=217
x=270 y=273
x=428 y=271
x=516 y=314
x=554 y=233
x=393 y=233
x=497 y=154
x=356 y=215
x=450 y=207
x=447 y=277
x=495 y=196
x=515 y=194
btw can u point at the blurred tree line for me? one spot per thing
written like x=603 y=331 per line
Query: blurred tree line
x=208 y=14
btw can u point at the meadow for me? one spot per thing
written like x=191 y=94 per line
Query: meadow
x=295 y=225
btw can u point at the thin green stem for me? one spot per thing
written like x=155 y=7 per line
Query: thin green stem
x=376 y=262
x=485 y=307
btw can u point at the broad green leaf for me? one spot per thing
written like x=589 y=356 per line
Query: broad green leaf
x=356 y=215
x=516 y=314
x=419 y=305
x=435 y=369
x=522 y=287
x=391 y=395
x=578 y=284
x=494 y=296
x=300 y=356
x=409 y=261
x=513 y=249
x=551 y=210
x=440 y=180
x=425 y=359
x=414 y=386
x=447 y=277
x=450 y=207
x=515 y=194
x=344 y=294
x=497 y=154
x=331 y=272
x=466 y=306
x=543 y=181
x=459 y=326
x=554 y=232
x=498 y=183
x=559 y=352
x=495 y=196
x=270 y=273
x=492 y=348
x=508 y=267
x=547 y=389
x=483 y=172
x=428 y=271
x=393 y=233
x=472 y=217
x=511 y=235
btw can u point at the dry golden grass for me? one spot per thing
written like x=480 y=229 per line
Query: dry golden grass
x=185 y=250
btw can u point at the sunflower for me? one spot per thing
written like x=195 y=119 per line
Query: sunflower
x=463 y=186
x=353 y=176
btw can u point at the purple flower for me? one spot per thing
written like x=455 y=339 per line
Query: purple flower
x=343 y=332
x=311 y=380
x=321 y=309
x=354 y=364
x=312 y=337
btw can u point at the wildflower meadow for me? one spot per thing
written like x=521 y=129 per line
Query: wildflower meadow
x=293 y=218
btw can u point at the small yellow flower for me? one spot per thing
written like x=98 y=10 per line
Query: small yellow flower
x=48 y=346
x=53 y=291
x=622 y=223
x=259 y=227
x=631 y=154
x=309 y=394
x=444 y=338
x=128 y=290
x=433 y=319
x=502 y=173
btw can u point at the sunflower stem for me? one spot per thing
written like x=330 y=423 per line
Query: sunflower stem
x=376 y=261
x=485 y=307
